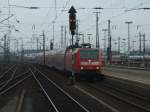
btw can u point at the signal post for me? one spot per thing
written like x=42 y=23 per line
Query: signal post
x=72 y=25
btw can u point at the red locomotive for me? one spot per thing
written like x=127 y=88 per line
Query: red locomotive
x=82 y=61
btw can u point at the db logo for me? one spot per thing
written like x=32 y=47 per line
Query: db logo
x=89 y=61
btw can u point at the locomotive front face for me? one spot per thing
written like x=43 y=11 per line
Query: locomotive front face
x=89 y=60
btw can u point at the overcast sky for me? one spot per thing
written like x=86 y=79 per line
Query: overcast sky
x=42 y=18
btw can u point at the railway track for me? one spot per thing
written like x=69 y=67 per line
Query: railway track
x=20 y=102
x=133 y=87
x=134 y=100
x=118 y=99
x=7 y=76
x=13 y=81
x=8 y=80
x=3 y=76
x=131 y=98
x=60 y=100
x=12 y=89
x=4 y=67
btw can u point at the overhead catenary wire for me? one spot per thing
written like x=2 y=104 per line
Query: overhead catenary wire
x=120 y=14
x=63 y=9
x=56 y=17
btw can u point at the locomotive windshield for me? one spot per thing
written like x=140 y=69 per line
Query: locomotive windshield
x=89 y=54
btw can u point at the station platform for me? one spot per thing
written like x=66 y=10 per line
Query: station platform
x=134 y=74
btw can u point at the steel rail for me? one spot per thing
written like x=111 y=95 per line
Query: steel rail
x=20 y=102
x=14 y=85
x=128 y=93
x=112 y=109
x=64 y=92
x=2 y=83
x=126 y=81
x=8 y=81
x=120 y=98
x=6 y=71
x=47 y=96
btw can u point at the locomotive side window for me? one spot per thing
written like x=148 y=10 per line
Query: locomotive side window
x=88 y=54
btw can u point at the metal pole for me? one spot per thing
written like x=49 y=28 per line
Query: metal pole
x=105 y=51
x=82 y=38
x=50 y=45
x=144 y=45
x=105 y=41
x=5 y=47
x=140 y=43
x=72 y=77
x=62 y=36
x=22 y=53
x=43 y=47
x=17 y=47
x=143 y=50
x=8 y=39
x=109 y=43
x=65 y=37
x=128 y=38
x=53 y=32
x=97 y=29
x=128 y=23
x=118 y=45
x=105 y=35
x=37 y=42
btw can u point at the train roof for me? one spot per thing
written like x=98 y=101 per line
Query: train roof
x=56 y=51
x=84 y=45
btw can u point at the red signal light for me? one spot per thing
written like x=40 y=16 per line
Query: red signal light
x=72 y=22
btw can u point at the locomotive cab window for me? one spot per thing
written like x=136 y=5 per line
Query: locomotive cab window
x=89 y=54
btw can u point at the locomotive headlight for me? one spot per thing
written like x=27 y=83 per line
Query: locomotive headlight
x=97 y=67
x=81 y=68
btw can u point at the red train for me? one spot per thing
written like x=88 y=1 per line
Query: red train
x=84 y=62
